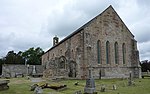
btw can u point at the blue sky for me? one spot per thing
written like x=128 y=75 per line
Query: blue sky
x=33 y=23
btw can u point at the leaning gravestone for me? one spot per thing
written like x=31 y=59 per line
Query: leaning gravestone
x=90 y=84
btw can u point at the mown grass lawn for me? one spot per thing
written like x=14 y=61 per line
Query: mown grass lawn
x=22 y=86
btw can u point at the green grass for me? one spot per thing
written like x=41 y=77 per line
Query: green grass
x=22 y=86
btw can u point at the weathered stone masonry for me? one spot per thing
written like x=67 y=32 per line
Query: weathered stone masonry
x=10 y=70
x=104 y=42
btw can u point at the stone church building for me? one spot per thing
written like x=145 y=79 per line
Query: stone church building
x=105 y=43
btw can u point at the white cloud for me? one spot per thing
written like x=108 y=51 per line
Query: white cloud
x=28 y=23
x=144 y=50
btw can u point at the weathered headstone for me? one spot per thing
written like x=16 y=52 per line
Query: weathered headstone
x=90 y=84
x=4 y=84
x=38 y=90
x=34 y=70
x=130 y=79
x=78 y=92
x=32 y=88
x=103 y=88
x=148 y=72
x=114 y=87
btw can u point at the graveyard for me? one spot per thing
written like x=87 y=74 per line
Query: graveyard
x=23 y=86
x=33 y=84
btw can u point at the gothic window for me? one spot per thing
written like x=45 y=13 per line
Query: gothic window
x=116 y=53
x=123 y=52
x=98 y=51
x=107 y=52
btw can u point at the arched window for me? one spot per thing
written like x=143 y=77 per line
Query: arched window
x=99 y=52
x=116 y=53
x=107 y=52
x=124 y=53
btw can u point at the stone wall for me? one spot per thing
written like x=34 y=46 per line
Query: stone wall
x=9 y=70
x=111 y=72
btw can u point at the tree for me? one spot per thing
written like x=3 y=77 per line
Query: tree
x=33 y=56
x=13 y=58
x=1 y=62
x=145 y=65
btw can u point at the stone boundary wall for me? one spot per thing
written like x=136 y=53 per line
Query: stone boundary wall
x=10 y=70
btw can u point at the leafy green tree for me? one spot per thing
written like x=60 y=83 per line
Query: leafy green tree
x=13 y=58
x=1 y=62
x=10 y=57
x=19 y=58
x=2 y=59
x=32 y=56
x=145 y=65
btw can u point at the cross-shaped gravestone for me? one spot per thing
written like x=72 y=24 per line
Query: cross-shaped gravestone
x=90 y=83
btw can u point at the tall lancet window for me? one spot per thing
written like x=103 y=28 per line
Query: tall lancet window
x=124 y=53
x=116 y=53
x=99 y=52
x=107 y=52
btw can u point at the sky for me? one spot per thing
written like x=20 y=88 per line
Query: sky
x=33 y=23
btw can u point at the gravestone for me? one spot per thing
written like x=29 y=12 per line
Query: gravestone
x=38 y=90
x=103 y=88
x=130 y=82
x=78 y=92
x=34 y=70
x=114 y=87
x=4 y=84
x=147 y=71
x=32 y=88
x=90 y=84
